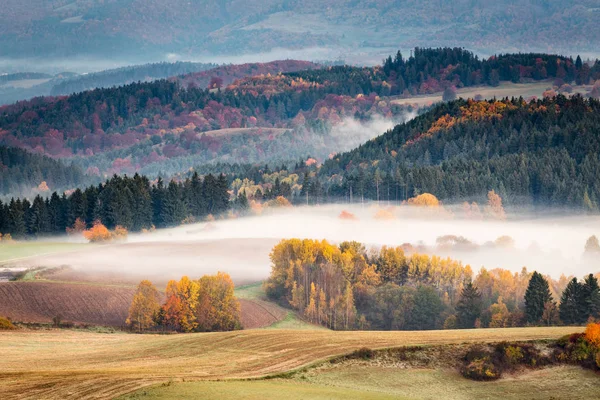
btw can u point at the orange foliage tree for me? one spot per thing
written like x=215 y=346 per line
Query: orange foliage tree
x=495 y=208
x=97 y=233
x=77 y=228
x=592 y=334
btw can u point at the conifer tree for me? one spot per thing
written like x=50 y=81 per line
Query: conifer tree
x=571 y=302
x=469 y=306
x=536 y=296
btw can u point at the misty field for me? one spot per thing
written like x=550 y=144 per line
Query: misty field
x=74 y=364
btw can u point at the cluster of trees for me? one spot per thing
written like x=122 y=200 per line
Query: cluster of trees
x=205 y=305
x=348 y=287
x=22 y=172
x=132 y=203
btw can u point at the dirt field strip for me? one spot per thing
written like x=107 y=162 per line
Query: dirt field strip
x=74 y=364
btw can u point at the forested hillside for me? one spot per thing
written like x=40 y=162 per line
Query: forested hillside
x=172 y=125
x=131 y=28
x=25 y=173
x=542 y=152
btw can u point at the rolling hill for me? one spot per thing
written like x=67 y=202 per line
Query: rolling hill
x=71 y=364
x=544 y=152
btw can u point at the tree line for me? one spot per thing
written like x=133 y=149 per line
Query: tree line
x=22 y=172
x=132 y=203
x=348 y=287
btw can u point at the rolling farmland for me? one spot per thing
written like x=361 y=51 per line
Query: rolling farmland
x=72 y=364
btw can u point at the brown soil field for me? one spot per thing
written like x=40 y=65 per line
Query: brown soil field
x=259 y=313
x=39 y=302
x=63 y=364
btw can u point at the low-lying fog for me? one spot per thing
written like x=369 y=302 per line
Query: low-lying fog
x=241 y=246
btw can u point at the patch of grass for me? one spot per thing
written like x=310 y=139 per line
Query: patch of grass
x=373 y=382
x=253 y=291
x=18 y=250
x=292 y=321
x=257 y=390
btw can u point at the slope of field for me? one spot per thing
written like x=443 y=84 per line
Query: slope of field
x=100 y=304
x=364 y=382
x=70 y=364
x=40 y=302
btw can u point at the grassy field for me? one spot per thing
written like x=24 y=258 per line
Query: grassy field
x=18 y=250
x=255 y=292
x=74 y=364
x=372 y=382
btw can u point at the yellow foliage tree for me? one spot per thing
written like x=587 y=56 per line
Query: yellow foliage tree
x=144 y=307
x=424 y=200
x=187 y=291
x=217 y=309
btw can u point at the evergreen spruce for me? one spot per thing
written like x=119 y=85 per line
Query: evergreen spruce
x=536 y=297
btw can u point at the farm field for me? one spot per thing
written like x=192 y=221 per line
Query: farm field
x=75 y=364
x=505 y=89
x=10 y=252
x=372 y=382
x=108 y=305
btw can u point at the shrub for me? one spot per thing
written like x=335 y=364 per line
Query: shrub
x=363 y=353
x=98 y=233
x=6 y=325
x=592 y=334
x=481 y=369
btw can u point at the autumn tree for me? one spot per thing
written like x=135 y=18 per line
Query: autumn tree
x=495 y=208
x=217 y=309
x=144 y=307
x=98 y=233
x=172 y=308
x=424 y=200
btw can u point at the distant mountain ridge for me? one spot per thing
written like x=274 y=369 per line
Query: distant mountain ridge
x=59 y=28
